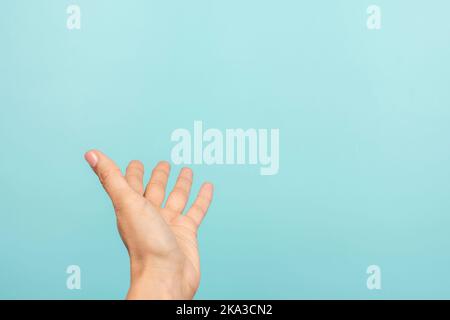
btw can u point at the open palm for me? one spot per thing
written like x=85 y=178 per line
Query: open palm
x=161 y=241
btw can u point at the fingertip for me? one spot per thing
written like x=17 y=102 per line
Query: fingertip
x=208 y=184
x=186 y=172
x=91 y=157
x=208 y=187
x=164 y=164
x=136 y=163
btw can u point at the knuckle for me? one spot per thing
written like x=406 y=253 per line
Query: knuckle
x=136 y=168
x=106 y=175
x=157 y=184
x=122 y=202
x=185 y=181
x=198 y=208
x=179 y=191
x=135 y=175
x=159 y=171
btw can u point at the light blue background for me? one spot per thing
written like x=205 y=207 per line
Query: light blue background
x=364 y=120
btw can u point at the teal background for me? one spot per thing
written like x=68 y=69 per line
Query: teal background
x=364 y=152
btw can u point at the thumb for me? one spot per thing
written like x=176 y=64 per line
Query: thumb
x=109 y=175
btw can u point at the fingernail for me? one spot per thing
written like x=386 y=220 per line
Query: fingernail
x=91 y=158
x=187 y=171
x=208 y=185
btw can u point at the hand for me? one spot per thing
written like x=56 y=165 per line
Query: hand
x=161 y=241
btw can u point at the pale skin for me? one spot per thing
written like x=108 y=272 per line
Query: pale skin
x=160 y=239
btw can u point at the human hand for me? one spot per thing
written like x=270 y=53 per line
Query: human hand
x=161 y=241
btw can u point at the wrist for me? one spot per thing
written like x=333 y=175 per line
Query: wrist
x=153 y=282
